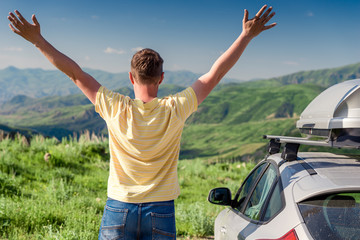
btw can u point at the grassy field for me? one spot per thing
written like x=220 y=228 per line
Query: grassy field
x=57 y=190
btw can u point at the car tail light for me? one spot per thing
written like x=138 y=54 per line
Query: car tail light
x=291 y=235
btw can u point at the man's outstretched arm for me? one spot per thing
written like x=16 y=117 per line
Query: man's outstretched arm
x=31 y=32
x=251 y=28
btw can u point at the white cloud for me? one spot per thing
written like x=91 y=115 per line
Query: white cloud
x=13 y=49
x=136 y=49
x=110 y=50
x=310 y=14
x=291 y=63
x=176 y=67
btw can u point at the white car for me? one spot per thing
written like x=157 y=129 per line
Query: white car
x=302 y=195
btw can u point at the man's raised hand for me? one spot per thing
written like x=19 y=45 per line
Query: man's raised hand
x=20 y=26
x=253 y=27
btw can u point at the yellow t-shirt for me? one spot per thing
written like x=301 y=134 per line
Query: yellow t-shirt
x=144 y=142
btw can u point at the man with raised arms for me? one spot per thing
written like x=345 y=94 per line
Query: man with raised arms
x=144 y=133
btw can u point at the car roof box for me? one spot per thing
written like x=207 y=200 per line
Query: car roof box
x=334 y=113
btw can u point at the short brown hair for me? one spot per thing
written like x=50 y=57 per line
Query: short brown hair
x=147 y=66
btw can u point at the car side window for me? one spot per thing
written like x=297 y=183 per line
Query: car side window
x=276 y=203
x=248 y=184
x=260 y=194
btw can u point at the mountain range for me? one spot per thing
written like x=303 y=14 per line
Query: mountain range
x=229 y=123
x=37 y=83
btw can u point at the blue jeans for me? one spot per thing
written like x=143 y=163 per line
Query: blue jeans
x=153 y=220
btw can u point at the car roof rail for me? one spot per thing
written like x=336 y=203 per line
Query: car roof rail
x=292 y=145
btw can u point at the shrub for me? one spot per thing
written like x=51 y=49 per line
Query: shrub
x=195 y=219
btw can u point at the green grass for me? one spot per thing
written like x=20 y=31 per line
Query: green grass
x=63 y=196
x=232 y=141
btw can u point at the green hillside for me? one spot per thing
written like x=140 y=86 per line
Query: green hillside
x=228 y=124
x=234 y=103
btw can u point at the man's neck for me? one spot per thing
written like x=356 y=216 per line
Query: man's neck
x=145 y=93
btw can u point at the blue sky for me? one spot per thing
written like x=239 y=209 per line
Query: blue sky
x=189 y=35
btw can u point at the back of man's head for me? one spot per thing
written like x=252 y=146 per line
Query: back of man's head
x=147 y=66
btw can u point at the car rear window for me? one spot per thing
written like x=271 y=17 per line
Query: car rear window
x=334 y=216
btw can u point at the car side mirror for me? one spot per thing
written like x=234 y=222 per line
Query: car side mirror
x=220 y=196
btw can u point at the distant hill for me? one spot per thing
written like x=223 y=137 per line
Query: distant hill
x=37 y=83
x=323 y=77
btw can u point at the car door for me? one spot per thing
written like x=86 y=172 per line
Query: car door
x=242 y=220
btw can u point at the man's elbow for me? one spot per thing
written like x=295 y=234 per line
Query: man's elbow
x=77 y=76
x=202 y=89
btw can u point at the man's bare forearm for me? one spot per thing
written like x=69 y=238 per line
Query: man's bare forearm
x=251 y=28
x=228 y=59
x=87 y=84
x=58 y=59
x=31 y=32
